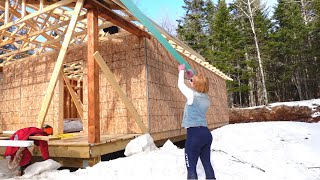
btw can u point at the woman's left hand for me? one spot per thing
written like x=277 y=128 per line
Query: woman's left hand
x=181 y=67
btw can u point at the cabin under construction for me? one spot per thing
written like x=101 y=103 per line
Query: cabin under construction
x=97 y=66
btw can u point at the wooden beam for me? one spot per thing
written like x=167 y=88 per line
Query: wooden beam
x=15 y=143
x=44 y=138
x=47 y=43
x=108 y=74
x=30 y=48
x=53 y=81
x=60 y=128
x=116 y=19
x=74 y=95
x=93 y=78
x=39 y=32
x=32 y=23
x=6 y=12
x=23 y=8
x=35 y=14
x=41 y=5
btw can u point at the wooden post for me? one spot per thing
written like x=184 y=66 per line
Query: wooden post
x=41 y=5
x=61 y=107
x=93 y=78
x=23 y=8
x=74 y=97
x=6 y=12
x=63 y=51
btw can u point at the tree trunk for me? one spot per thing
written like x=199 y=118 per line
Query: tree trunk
x=251 y=19
x=252 y=100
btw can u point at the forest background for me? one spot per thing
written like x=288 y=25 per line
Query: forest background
x=271 y=58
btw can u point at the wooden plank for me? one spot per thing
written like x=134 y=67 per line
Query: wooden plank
x=30 y=48
x=44 y=138
x=6 y=12
x=61 y=107
x=37 y=13
x=23 y=8
x=114 y=18
x=77 y=151
x=36 y=2
x=41 y=31
x=53 y=81
x=108 y=74
x=4 y=138
x=41 y=5
x=16 y=143
x=93 y=78
x=32 y=23
x=41 y=45
x=74 y=96
x=110 y=147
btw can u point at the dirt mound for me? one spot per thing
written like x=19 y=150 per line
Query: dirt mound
x=275 y=113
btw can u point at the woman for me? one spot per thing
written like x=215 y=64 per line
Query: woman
x=199 y=137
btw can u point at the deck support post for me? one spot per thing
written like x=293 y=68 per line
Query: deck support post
x=93 y=78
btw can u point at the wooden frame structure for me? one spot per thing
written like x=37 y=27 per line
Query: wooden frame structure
x=32 y=27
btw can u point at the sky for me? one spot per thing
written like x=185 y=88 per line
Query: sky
x=172 y=10
x=278 y=150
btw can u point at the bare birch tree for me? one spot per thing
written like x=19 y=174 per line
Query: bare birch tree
x=248 y=9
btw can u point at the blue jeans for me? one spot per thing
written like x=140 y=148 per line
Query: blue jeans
x=197 y=145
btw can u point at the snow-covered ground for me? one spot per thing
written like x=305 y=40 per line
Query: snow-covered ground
x=251 y=151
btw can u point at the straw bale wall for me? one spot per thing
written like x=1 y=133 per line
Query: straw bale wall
x=145 y=71
x=167 y=103
x=22 y=88
x=125 y=57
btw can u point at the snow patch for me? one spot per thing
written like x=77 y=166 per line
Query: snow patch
x=309 y=103
x=39 y=167
x=169 y=146
x=5 y=172
x=316 y=114
x=142 y=143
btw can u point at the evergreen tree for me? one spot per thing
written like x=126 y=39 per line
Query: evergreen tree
x=315 y=39
x=191 y=28
x=254 y=26
x=226 y=51
x=288 y=50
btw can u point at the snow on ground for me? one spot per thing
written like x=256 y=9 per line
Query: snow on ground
x=264 y=151
x=250 y=151
x=312 y=104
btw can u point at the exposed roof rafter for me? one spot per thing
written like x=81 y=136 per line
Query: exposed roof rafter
x=34 y=26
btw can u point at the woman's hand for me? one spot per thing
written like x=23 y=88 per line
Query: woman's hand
x=181 y=67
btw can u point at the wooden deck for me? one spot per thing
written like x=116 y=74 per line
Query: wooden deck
x=73 y=150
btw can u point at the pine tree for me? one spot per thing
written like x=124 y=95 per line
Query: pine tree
x=226 y=51
x=290 y=38
x=191 y=27
x=314 y=64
